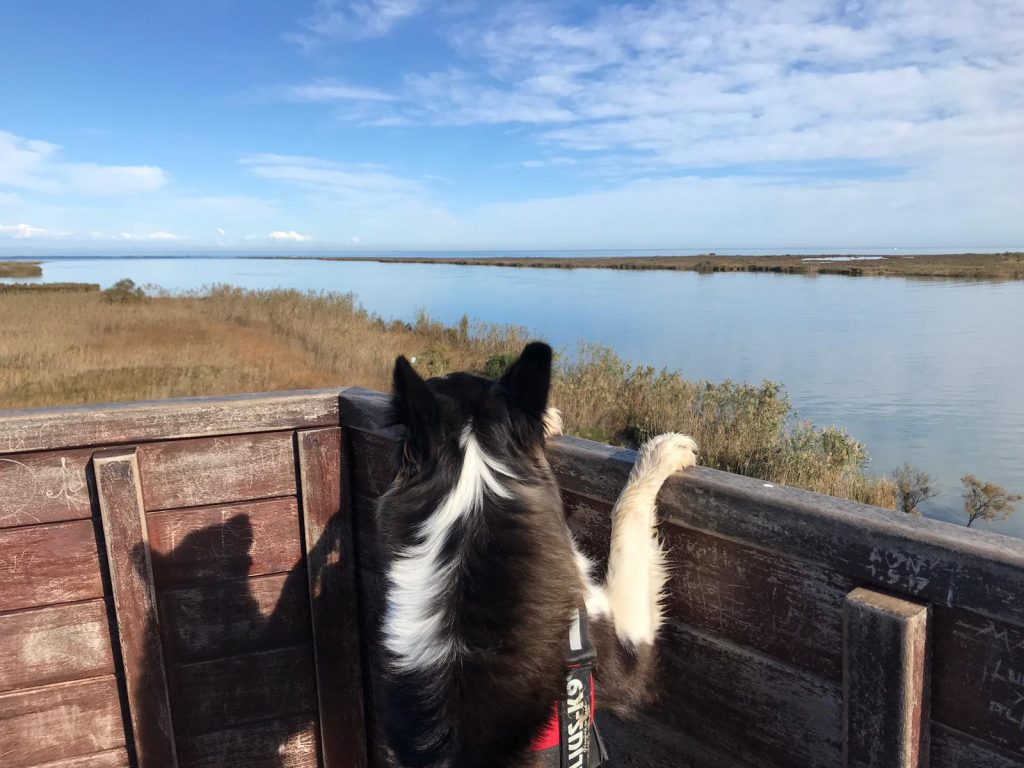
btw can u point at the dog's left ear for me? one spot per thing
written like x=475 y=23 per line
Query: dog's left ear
x=528 y=380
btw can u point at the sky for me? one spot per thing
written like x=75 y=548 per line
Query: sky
x=314 y=125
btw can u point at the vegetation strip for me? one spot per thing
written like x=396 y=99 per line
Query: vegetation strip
x=1002 y=266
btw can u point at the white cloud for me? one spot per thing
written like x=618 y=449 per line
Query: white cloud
x=150 y=236
x=35 y=166
x=290 y=235
x=354 y=19
x=349 y=184
x=712 y=84
x=23 y=231
x=221 y=232
x=327 y=91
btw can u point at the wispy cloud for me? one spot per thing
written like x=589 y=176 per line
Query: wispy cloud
x=324 y=92
x=36 y=166
x=710 y=83
x=353 y=20
x=23 y=231
x=289 y=236
x=151 y=236
x=337 y=181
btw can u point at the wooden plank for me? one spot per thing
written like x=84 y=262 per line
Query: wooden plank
x=214 y=695
x=54 y=644
x=60 y=721
x=212 y=544
x=95 y=425
x=370 y=585
x=115 y=758
x=236 y=617
x=330 y=563
x=44 y=488
x=287 y=743
x=215 y=470
x=131 y=577
x=885 y=681
x=978 y=680
x=372 y=467
x=642 y=742
x=49 y=564
x=953 y=749
x=744 y=704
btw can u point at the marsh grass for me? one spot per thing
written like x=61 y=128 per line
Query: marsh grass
x=20 y=269
x=59 y=349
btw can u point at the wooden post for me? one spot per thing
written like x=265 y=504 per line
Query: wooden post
x=885 y=681
x=330 y=565
x=131 y=577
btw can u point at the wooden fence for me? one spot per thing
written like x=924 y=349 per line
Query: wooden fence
x=197 y=582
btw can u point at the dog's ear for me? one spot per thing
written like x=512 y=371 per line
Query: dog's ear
x=528 y=379
x=417 y=408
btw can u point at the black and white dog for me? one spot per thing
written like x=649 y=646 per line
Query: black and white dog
x=484 y=579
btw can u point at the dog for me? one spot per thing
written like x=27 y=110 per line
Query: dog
x=485 y=583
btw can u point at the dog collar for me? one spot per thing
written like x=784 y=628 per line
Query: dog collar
x=571 y=739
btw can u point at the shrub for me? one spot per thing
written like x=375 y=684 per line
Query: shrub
x=124 y=292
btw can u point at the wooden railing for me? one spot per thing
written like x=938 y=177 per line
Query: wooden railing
x=197 y=583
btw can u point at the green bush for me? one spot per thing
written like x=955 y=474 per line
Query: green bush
x=124 y=292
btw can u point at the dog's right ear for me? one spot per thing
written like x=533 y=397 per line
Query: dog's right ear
x=416 y=407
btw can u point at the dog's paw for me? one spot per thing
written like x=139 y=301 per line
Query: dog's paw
x=667 y=453
x=552 y=422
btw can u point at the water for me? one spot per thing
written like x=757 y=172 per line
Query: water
x=925 y=371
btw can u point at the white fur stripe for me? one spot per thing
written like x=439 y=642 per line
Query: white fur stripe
x=414 y=631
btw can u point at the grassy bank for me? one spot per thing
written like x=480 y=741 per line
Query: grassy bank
x=1003 y=266
x=63 y=348
x=20 y=269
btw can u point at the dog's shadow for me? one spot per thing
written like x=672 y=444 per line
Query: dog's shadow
x=237 y=652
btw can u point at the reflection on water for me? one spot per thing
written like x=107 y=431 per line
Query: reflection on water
x=923 y=371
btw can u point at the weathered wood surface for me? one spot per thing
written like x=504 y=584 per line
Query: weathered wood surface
x=216 y=695
x=212 y=544
x=286 y=743
x=44 y=488
x=216 y=470
x=978 y=680
x=115 y=758
x=885 y=687
x=235 y=617
x=131 y=577
x=746 y=704
x=39 y=646
x=952 y=749
x=330 y=563
x=55 y=722
x=49 y=564
x=98 y=425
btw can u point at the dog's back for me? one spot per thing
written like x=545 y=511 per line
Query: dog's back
x=482 y=579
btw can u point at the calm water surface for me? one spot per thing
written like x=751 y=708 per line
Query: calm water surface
x=923 y=371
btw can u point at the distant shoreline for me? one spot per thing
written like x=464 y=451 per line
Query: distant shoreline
x=1001 y=266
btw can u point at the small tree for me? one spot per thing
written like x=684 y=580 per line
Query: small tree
x=913 y=488
x=987 y=501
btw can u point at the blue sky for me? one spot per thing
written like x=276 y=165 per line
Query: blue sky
x=449 y=124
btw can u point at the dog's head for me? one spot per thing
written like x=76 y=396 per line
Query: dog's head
x=505 y=416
